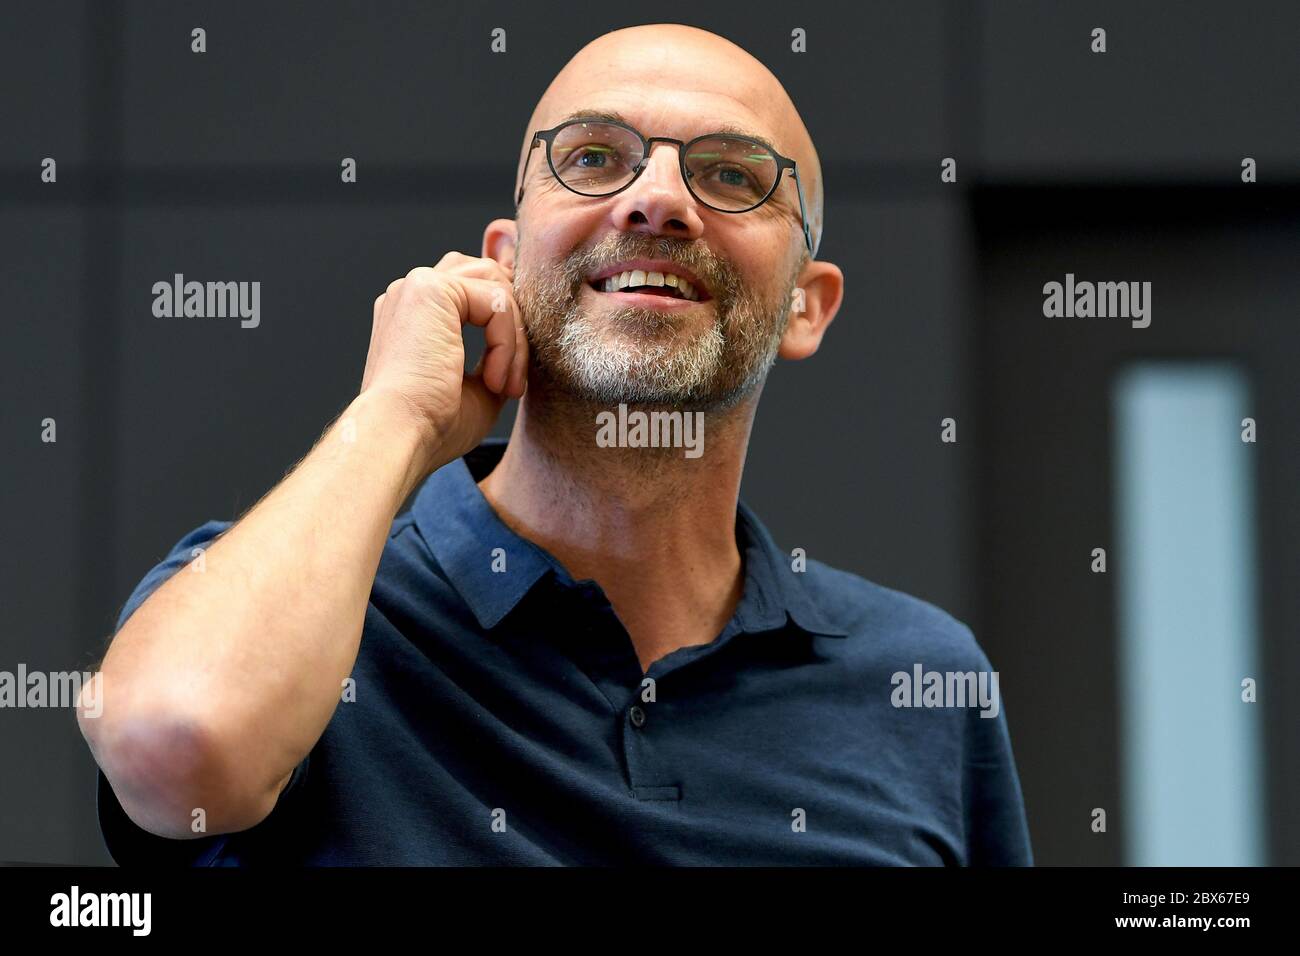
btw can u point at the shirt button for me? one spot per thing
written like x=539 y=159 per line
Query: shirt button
x=636 y=715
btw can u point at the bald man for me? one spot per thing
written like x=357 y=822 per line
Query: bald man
x=577 y=646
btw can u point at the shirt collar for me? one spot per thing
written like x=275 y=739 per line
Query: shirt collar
x=462 y=532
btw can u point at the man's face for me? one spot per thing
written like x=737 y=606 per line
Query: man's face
x=656 y=348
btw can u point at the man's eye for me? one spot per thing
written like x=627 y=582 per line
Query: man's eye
x=732 y=178
x=595 y=157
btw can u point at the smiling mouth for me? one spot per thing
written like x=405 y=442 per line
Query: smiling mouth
x=662 y=284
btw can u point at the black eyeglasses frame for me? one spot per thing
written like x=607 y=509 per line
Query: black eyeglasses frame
x=547 y=136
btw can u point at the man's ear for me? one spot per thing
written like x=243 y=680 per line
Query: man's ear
x=499 y=243
x=817 y=297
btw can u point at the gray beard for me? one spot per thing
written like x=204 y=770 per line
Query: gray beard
x=641 y=356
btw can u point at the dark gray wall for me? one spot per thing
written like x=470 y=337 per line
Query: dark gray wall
x=225 y=165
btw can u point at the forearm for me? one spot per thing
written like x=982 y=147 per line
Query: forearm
x=227 y=675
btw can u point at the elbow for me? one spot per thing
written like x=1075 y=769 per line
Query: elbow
x=171 y=773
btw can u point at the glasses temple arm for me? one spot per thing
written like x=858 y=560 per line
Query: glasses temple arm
x=523 y=176
x=803 y=211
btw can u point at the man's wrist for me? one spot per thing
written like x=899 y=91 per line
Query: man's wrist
x=391 y=419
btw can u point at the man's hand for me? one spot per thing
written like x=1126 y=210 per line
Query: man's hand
x=417 y=350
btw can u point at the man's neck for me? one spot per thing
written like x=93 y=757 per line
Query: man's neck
x=654 y=528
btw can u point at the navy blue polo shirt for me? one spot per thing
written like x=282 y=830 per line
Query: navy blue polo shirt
x=501 y=717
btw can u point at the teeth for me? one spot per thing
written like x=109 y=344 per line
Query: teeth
x=640 y=277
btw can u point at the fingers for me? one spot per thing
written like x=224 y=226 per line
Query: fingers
x=476 y=266
x=481 y=294
x=490 y=304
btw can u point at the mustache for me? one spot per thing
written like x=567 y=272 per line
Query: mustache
x=719 y=276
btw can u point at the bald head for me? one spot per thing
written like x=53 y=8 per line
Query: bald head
x=681 y=81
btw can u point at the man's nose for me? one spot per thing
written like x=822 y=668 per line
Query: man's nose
x=658 y=203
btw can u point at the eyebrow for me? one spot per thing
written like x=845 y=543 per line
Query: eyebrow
x=610 y=116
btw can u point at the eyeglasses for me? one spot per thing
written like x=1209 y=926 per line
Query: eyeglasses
x=726 y=173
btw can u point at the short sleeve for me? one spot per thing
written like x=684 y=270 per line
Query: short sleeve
x=182 y=553
x=127 y=843
x=997 y=831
